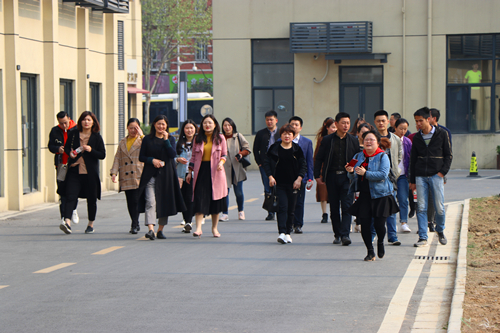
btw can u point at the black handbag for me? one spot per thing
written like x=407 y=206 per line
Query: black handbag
x=271 y=201
x=244 y=160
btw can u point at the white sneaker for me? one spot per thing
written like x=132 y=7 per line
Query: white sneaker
x=288 y=238
x=241 y=215
x=183 y=222
x=203 y=221
x=357 y=228
x=223 y=218
x=74 y=218
x=405 y=228
x=282 y=239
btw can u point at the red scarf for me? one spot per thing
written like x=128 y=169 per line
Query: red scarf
x=365 y=163
x=65 y=135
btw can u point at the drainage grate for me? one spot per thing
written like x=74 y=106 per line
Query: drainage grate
x=441 y=258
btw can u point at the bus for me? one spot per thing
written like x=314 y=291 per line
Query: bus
x=198 y=104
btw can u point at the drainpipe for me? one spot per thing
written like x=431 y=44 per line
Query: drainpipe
x=404 y=57
x=429 y=53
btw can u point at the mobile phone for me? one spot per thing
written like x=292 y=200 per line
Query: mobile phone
x=353 y=162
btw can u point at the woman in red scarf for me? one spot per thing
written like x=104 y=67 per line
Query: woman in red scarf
x=370 y=177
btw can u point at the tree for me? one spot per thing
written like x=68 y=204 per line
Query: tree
x=166 y=25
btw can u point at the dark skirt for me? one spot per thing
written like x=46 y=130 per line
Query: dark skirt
x=366 y=207
x=203 y=193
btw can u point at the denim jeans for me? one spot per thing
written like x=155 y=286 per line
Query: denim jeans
x=435 y=184
x=403 y=189
x=240 y=197
x=265 y=180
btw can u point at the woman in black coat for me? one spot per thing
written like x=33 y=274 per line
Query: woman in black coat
x=161 y=195
x=85 y=148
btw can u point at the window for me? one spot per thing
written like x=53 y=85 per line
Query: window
x=95 y=101
x=1 y=137
x=201 y=51
x=121 y=56
x=66 y=97
x=473 y=75
x=121 y=111
x=272 y=81
x=29 y=126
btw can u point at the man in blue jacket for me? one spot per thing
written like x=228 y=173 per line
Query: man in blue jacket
x=307 y=148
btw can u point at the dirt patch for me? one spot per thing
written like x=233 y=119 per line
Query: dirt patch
x=482 y=297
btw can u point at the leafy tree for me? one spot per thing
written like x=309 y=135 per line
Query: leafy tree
x=168 y=24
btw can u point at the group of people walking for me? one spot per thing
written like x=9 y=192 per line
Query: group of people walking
x=370 y=172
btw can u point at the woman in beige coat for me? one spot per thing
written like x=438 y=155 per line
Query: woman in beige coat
x=129 y=169
x=236 y=174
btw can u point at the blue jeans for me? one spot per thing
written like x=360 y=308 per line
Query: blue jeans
x=265 y=180
x=240 y=197
x=402 y=195
x=435 y=184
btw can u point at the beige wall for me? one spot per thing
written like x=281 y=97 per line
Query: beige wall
x=58 y=41
x=237 y=22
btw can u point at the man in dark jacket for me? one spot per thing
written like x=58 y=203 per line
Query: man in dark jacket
x=263 y=140
x=430 y=161
x=335 y=152
x=57 y=138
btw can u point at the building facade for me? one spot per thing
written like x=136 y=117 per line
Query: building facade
x=315 y=59
x=62 y=56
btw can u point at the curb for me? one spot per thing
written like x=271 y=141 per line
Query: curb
x=455 y=320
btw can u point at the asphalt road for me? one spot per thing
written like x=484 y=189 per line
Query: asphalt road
x=243 y=282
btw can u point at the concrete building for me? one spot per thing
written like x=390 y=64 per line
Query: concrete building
x=316 y=58
x=62 y=55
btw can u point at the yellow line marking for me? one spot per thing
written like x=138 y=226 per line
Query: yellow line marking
x=178 y=227
x=252 y=200
x=1 y=287
x=108 y=250
x=232 y=207
x=55 y=268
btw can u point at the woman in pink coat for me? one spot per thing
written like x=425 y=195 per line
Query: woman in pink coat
x=209 y=180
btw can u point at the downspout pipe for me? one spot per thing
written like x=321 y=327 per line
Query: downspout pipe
x=429 y=53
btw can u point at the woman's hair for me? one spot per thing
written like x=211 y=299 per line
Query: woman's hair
x=152 y=132
x=231 y=122
x=287 y=128
x=202 y=137
x=326 y=119
x=401 y=121
x=182 y=136
x=357 y=122
x=383 y=143
x=364 y=125
x=95 y=126
x=323 y=131
x=133 y=120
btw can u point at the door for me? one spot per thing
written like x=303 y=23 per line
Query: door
x=458 y=110
x=361 y=91
x=29 y=133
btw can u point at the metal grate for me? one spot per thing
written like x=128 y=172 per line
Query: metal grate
x=121 y=56
x=331 y=37
x=437 y=258
x=121 y=111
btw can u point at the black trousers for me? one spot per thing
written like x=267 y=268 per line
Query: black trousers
x=337 y=186
x=133 y=206
x=63 y=201
x=366 y=230
x=74 y=184
x=187 y=195
x=287 y=198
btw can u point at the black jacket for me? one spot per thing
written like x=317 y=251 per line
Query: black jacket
x=271 y=159
x=56 y=140
x=260 y=144
x=324 y=157
x=91 y=158
x=426 y=161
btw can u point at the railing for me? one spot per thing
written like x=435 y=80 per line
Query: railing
x=107 y=6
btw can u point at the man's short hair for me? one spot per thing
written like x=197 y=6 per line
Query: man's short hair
x=271 y=113
x=381 y=113
x=297 y=118
x=62 y=114
x=287 y=128
x=396 y=115
x=435 y=114
x=422 y=112
x=341 y=115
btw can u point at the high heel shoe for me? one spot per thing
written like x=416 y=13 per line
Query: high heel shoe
x=197 y=235
x=217 y=235
x=370 y=256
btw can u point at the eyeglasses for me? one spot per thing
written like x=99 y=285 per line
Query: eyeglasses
x=370 y=140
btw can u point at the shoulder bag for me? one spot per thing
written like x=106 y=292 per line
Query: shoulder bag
x=245 y=162
x=62 y=169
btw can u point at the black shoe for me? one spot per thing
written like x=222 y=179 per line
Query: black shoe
x=380 y=250
x=89 y=230
x=431 y=226
x=370 y=256
x=412 y=213
x=298 y=230
x=270 y=217
x=134 y=230
x=325 y=218
x=346 y=241
x=442 y=238
x=160 y=235
x=337 y=240
x=65 y=227
x=150 y=235
x=187 y=228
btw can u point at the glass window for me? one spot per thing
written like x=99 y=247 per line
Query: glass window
x=480 y=110
x=470 y=71
x=272 y=75
x=497 y=108
x=66 y=97
x=271 y=50
x=362 y=74
x=470 y=46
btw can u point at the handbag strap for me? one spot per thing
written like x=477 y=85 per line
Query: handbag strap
x=239 y=140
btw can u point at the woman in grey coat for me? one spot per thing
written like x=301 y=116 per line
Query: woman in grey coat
x=236 y=174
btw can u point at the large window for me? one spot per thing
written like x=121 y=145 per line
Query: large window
x=272 y=81
x=29 y=125
x=66 y=97
x=473 y=83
